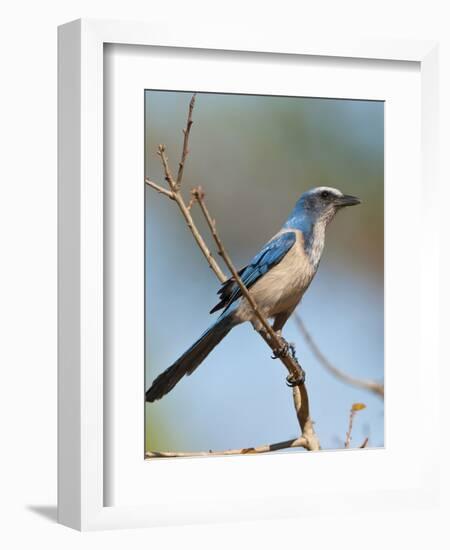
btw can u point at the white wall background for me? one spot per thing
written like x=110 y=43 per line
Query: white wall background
x=28 y=268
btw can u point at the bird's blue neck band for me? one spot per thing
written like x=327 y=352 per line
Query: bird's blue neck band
x=303 y=220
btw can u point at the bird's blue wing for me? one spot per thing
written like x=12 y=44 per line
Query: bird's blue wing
x=272 y=253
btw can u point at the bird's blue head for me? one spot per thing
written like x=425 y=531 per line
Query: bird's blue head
x=318 y=206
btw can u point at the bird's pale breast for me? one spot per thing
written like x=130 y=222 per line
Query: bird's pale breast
x=283 y=286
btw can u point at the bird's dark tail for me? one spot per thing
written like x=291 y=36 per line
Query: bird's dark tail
x=190 y=359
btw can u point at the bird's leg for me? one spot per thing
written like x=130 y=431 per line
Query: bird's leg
x=259 y=328
x=285 y=347
x=288 y=349
x=291 y=380
x=280 y=320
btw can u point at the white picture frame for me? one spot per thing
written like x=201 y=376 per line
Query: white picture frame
x=82 y=484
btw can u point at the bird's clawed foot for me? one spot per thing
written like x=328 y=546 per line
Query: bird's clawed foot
x=283 y=350
x=288 y=349
x=293 y=381
x=298 y=380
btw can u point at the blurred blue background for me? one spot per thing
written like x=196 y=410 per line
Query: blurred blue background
x=254 y=156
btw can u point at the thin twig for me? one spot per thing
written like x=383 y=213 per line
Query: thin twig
x=185 y=152
x=290 y=444
x=178 y=198
x=165 y=163
x=301 y=404
x=160 y=189
x=348 y=435
x=192 y=201
x=364 y=443
x=370 y=385
x=355 y=408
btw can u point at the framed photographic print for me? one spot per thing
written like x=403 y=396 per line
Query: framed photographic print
x=233 y=306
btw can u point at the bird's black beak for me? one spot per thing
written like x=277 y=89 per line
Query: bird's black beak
x=347 y=200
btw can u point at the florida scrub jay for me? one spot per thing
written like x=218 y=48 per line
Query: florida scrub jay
x=277 y=277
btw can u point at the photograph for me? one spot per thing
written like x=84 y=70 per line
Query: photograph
x=232 y=241
x=264 y=274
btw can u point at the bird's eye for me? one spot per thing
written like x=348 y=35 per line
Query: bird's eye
x=325 y=194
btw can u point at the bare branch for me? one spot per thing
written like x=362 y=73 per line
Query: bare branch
x=185 y=152
x=364 y=443
x=165 y=163
x=370 y=385
x=160 y=189
x=301 y=404
x=175 y=195
x=355 y=408
x=290 y=444
x=348 y=435
x=192 y=200
x=185 y=211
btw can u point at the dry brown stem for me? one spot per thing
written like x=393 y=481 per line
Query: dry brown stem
x=176 y=195
x=186 y=133
x=355 y=408
x=370 y=385
x=290 y=444
x=364 y=443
